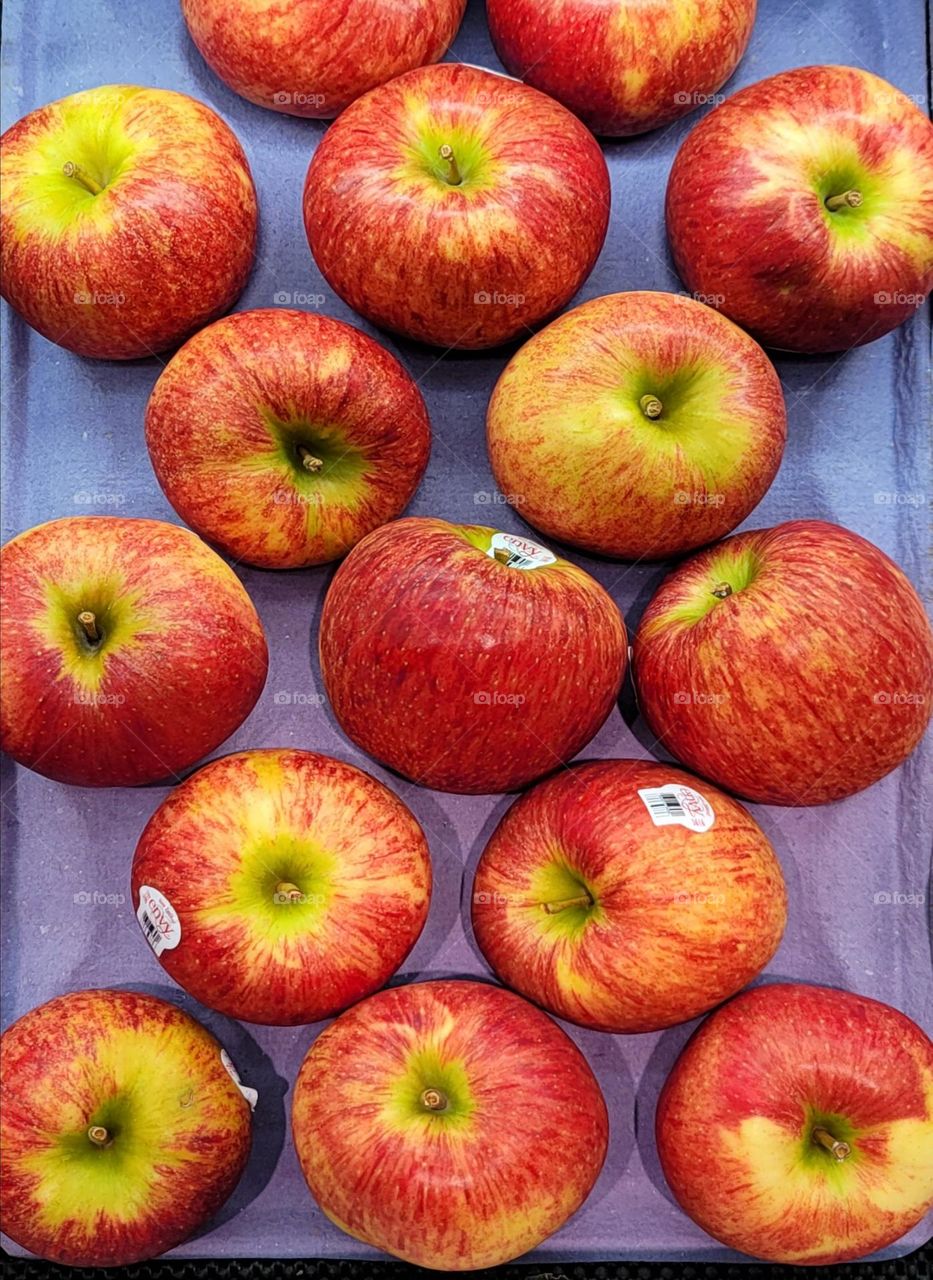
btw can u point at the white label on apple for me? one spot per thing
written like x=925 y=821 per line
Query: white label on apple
x=251 y=1096
x=158 y=920
x=522 y=553
x=674 y=805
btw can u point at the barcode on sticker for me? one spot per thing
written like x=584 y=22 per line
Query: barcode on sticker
x=519 y=553
x=158 y=920
x=676 y=805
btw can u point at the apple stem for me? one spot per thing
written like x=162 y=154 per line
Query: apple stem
x=99 y=1136
x=452 y=174
x=848 y=199
x=89 y=625
x=290 y=892
x=582 y=900
x=651 y=406
x=308 y=460
x=836 y=1148
x=434 y=1100
x=71 y=170
x=502 y=555
x=723 y=591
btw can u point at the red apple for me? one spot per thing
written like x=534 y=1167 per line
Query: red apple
x=628 y=896
x=797 y=1125
x=129 y=650
x=468 y=660
x=448 y=1123
x=624 y=66
x=281 y=886
x=128 y=219
x=806 y=203
x=284 y=437
x=456 y=206
x=793 y=665
x=312 y=58
x=123 y=1128
x=638 y=425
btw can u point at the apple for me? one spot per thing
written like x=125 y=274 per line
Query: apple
x=468 y=659
x=793 y=665
x=805 y=202
x=310 y=58
x=284 y=437
x=128 y=219
x=123 y=1128
x=638 y=425
x=626 y=896
x=129 y=650
x=456 y=206
x=448 y=1123
x=624 y=66
x=280 y=886
x=797 y=1125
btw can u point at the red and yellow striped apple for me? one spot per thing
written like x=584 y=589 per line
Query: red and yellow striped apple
x=129 y=650
x=628 y=896
x=456 y=206
x=637 y=425
x=797 y=1125
x=284 y=885
x=449 y=1123
x=624 y=66
x=284 y=437
x=466 y=659
x=313 y=57
x=793 y=665
x=128 y=219
x=806 y=203
x=122 y=1128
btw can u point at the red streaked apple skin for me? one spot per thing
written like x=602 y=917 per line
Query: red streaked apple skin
x=472 y=264
x=515 y=1153
x=220 y=842
x=231 y=410
x=793 y=273
x=623 y=67
x=181 y=661
x=735 y=1119
x=313 y=57
x=572 y=448
x=462 y=673
x=180 y=1144
x=808 y=683
x=681 y=919
x=164 y=248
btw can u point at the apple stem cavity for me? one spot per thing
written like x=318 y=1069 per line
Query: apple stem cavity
x=71 y=170
x=847 y=200
x=452 y=174
x=840 y=1150
x=651 y=406
x=434 y=1100
x=89 y=626
x=564 y=904
x=722 y=591
x=309 y=461
x=99 y=1136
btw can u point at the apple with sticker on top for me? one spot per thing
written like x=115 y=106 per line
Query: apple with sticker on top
x=627 y=896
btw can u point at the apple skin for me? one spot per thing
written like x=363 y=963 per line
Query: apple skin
x=678 y=919
x=179 y=1128
x=224 y=845
x=581 y=460
x=809 y=682
x=460 y=672
x=234 y=407
x=165 y=247
x=179 y=662
x=470 y=265
x=736 y=1116
x=623 y=66
x=513 y=1155
x=793 y=273
x=313 y=57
